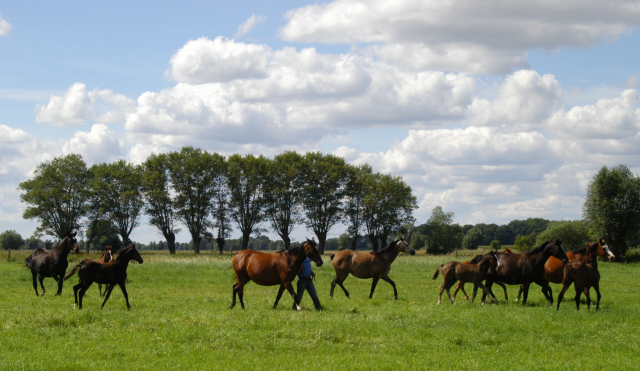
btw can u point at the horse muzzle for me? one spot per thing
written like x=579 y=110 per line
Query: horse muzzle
x=319 y=263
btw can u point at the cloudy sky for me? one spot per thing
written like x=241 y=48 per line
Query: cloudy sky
x=494 y=110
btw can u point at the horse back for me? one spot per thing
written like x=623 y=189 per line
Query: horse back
x=262 y=268
x=359 y=264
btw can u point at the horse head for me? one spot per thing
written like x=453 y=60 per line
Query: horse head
x=557 y=250
x=403 y=246
x=107 y=254
x=311 y=252
x=603 y=250
x=130 y=253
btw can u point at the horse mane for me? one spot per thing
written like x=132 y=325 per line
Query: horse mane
x=123 y=252
x=386 y=249
x=538 y=249
x=581 y=249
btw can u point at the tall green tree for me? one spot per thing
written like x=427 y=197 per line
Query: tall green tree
x=388 y=204
x=282 y=187
x=56 y=195
x=246 y=179
x=612 y=206
x=118 y=186
x=159 y=202
x=10 y=240
x=572 y=233
x=325 y=178
x=221 y=210
x=195 y=175
x=355 y=192
x=442 y=236
x=472 y=239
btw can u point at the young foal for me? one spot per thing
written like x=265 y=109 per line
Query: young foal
x=476 y=259
x=471 y=272
x=374 y=265
x=584 y=276
x=111 y=273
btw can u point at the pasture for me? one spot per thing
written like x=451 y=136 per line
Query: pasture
x=179 y=320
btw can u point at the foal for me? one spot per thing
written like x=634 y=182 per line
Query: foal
x=476 y=273
x=111 y=273
x=584 y=276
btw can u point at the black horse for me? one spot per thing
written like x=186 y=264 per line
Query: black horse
x=527 y=267
x=111 y=273
x=51 y=263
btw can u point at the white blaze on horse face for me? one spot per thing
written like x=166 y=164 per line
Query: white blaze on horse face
x=606 y=248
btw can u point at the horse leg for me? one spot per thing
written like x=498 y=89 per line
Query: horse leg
x=83 y=288
x=106 y=296
x=486 y=291
x=546 y=290
x=520 y=292
x=504 y=288
x=280 y=291
x=598 y=296
x=75 y=294
x=41 y=279
x=475 y=291
x=59 y=281
x=35 y=284
x=525 y=293
x=241 y=295
x=373 y=286
x=577 y=298
x=586 y=293
x=333 y=285
x=484 y=294
x=393 y=284
x=124 y=292
x=289 y=287
x=340 y=281
x=235 y=291
x=561 y=294
x=460 y=286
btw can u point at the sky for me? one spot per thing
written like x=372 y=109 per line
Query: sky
x=493 y=110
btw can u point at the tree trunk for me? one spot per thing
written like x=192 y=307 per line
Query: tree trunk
x=354 y=243
x=245 y=239
x=220 y=242
x=322 y=239
x=87 y=244
x=171 y=242
x=196 y=244
x=286 y=240
x=374 y=242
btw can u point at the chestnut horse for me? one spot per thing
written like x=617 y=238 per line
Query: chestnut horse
x=527 y=267
x=476 y=259
x=110 y=274
x=375 y=264
x=467 y=272
x=554 y=268
x=51 y=263
x=266 y=269
x=584 y=276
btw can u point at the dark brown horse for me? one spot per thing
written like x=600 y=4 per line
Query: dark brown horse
x=476 y=259
x=467 y=272
x=266 y=269
x=110 y=274
x=554 y=268
x=375 y=264
x=51 y=263
x=584 y=275
x=527 y=267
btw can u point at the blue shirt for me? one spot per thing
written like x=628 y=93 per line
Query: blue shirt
x=305 y=272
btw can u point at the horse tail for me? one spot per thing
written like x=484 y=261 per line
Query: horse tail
x=435 y=274
x=332 y=256
x=73 y=271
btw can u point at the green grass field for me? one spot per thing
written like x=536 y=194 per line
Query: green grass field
x=179 y=320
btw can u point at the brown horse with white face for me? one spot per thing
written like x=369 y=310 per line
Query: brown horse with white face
x=266 y=269
x=52 y=263
x=375 y=264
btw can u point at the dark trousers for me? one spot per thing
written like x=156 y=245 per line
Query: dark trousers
x=307 y=284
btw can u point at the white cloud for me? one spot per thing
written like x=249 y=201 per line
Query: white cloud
x=98 y=145
x=5 y=27
x=444 y=29
x=77 y=106
x=249 y=24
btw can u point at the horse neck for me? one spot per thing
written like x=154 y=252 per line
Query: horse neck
x=64 y=248
x=541 y=257
x=389 y=255
x=296 y=259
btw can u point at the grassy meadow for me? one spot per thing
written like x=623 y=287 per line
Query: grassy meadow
x=179 y=320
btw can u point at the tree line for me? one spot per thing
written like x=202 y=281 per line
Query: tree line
x=210 y=194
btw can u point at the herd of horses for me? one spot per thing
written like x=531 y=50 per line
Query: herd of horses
x=541 y=265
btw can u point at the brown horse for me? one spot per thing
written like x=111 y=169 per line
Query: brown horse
x=527 y=267
x=265 y=269
x=584 y=276
x=476 y=259
x=104 y=258
x=375 y=264
x=51 y=263
x=467 y=272
x=110 y=274
x=554 y=268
